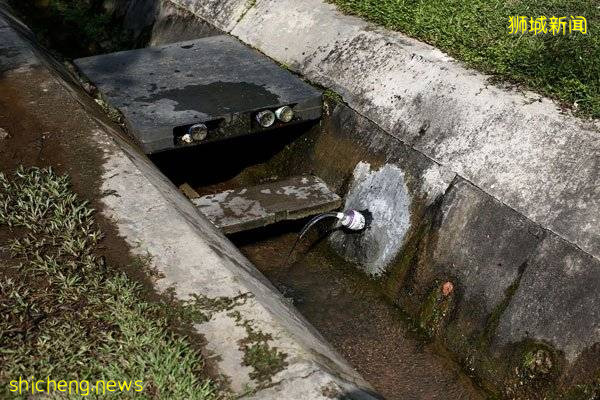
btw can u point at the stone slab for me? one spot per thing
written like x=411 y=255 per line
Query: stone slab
x=216 y=80
x=247 y=208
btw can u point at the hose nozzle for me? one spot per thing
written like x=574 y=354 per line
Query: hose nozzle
x=352 y=220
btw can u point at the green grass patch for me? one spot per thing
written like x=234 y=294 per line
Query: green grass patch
x=476 y=32
x=66 y=314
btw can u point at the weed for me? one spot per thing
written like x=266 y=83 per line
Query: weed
x=65 y=314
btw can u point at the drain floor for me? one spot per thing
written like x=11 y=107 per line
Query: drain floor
x=352 y=314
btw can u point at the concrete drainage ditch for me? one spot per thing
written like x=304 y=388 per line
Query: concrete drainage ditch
x=449 y=294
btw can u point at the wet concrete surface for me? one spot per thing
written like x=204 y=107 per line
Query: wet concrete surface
x=352 y=314
x=213 y=80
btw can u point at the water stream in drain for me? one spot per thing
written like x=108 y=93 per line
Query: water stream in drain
x=352 y=314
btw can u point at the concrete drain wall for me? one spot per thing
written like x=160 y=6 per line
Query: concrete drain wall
x=517 y=288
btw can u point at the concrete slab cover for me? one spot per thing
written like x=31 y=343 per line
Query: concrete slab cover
x=252 y=207
x=214 y=80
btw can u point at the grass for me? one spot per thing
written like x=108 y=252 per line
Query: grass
x=66 y=314
x=476 y=32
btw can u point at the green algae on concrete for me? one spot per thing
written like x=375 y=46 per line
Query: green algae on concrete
x=264 y=359
x=435 y=309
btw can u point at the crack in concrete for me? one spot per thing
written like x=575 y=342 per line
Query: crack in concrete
x=277 y=383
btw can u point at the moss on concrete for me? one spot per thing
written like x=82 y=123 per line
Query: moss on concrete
x=434 y=311
x=264 y=359
x=332 y=96
x=494 y=318
x=407 y=260
x=201 y=308
x=249 y=5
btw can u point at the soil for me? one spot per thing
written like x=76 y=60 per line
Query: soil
x=349 y=310
x=39 y=137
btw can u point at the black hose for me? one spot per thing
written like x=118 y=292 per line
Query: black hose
x=308 y=225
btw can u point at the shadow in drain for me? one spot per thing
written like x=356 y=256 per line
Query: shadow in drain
x=240 y=161
x=351 y=313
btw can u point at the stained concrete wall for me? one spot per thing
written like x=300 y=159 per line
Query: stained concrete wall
x=190 y=255
x=517 y=288
x=517 y=146
x=154 y=23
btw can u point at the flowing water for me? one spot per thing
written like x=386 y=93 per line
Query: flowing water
x=351 y=313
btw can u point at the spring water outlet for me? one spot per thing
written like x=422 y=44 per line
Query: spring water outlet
x=351 y=220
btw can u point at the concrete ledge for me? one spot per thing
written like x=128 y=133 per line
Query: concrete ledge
x=516 y=146
x=195 y=259
x=223 y=14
